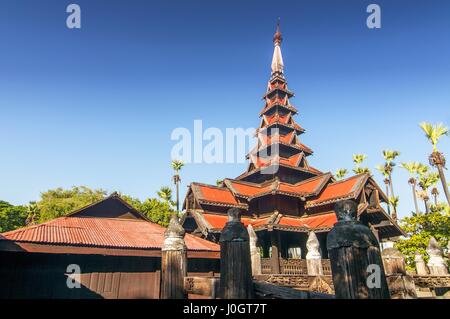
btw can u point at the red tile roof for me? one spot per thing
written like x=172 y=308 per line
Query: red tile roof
x=313 y=222
x=101 y=232
x=308 y=186
x=212 y=194
x=340 y=189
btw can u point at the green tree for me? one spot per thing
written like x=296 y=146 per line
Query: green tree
x=419 y=229
x=433 y=133
x=11 y=217
x=157 y=211
x=357 y=160
x=165 y=194
x=59 y=202
x=340 y=173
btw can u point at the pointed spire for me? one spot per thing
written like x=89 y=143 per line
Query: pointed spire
x=277 y=59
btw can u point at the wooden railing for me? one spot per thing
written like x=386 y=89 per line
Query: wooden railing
x=326 y=266
x=292 y=266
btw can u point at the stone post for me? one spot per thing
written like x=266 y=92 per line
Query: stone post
x=401 y=285
x=254 y=251
x=173 y=261
x=313 y=257
x=235 y=263
x=356 y=264
x=421 y=267
x=436 y=264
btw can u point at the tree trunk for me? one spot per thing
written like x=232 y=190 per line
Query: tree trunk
x=444 y=182
x=388 y=203
x=178 y=197
x=416 y=206
x=393 y=195
x=426 y=206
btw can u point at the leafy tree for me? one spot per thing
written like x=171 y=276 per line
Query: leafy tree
x=157 y=211
x=59 y=202
x=420 y=227
x=165 y=193
x=11 y=217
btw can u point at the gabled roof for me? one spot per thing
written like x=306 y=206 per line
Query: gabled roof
x=340 y=190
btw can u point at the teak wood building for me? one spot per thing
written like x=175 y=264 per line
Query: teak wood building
x=117 y=250
x=280 y=194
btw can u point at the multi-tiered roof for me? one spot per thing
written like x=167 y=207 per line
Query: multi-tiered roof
x=280 y=190
x=279 y=151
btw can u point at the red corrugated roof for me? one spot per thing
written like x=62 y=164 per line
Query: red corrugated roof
x=102 y=232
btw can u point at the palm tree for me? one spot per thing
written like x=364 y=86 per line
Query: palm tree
x=165 y=193
x=425 y=181
x=383 y=170
x=340 y=173
x=389 y=157
x=358 y=159
x=412 y=167
x=177 y=165
x=437 y=159
x=32 y=214
x=394 y=202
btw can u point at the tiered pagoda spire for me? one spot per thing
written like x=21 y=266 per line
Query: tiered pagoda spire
x=280 y=194
x=278 y=134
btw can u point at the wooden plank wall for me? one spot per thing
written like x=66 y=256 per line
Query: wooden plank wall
x=24 y=275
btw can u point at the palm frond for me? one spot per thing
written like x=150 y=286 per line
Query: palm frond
x=434 y=132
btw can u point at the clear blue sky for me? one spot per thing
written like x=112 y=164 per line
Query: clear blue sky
x=97 y=106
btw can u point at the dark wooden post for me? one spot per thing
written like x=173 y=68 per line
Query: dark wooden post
x=235 y=264
x=355 y=258
x=173 y=261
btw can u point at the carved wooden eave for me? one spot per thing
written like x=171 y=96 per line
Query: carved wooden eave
x=203 y=225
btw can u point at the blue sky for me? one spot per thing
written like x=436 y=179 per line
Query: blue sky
x=97 y=106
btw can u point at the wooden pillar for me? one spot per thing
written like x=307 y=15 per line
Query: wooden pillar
x=313 y=258
x=275 y=258
x=254 y=251
x=235 y=264
x=356 y=264
x=173 y=261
